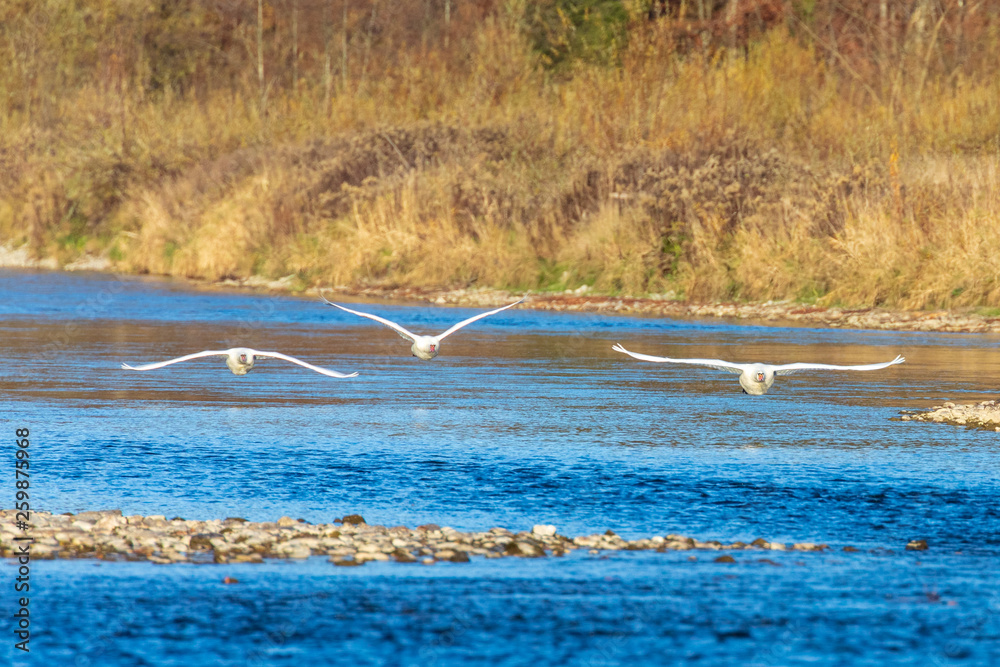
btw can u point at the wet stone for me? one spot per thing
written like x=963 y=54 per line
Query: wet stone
x=367 y=556
x=353 y=519
x=203 y=540
x=345 y=562
x=525 y=549
x=95 y=515
x=247 y=558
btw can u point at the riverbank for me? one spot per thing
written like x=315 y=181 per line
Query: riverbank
x=108 y=535
x=584 y=300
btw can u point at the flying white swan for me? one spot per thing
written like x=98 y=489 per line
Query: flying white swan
x=424 y=347
x=756 y=379
x=240 y=361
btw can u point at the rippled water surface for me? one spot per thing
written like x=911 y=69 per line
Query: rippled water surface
x=526 y=417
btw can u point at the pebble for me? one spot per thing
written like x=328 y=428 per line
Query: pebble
x=107 y=535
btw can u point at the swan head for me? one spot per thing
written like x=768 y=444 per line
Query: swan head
x=426 y=347
x=757 y=379
x=241 y=360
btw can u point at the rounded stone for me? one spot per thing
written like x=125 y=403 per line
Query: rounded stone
x=543 y=530
x=343 y=561
x=353 y=520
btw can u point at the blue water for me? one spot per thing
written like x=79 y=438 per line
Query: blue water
x=526 y=417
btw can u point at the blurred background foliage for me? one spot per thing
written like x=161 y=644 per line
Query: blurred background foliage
x=840 y=152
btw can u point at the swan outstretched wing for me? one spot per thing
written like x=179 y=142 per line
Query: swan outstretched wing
x=479 y=317
x=792 y=368
x=324 y=371
x=206 y=353
x=381 y=320
x=727 y=366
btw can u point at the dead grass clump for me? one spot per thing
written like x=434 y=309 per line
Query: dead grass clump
x=450 y=206
x=937 y=247
x=428 y=204
x=341 y=167
x=714 y=223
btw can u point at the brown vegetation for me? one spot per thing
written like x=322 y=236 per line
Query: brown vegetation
x=843 y=153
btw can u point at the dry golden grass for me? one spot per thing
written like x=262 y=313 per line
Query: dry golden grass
x=769 y=174
x=939 y=247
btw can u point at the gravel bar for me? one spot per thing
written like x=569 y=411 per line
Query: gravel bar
x=984 y=415
x=108 y=535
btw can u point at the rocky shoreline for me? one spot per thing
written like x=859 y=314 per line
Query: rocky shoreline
x=984 y=415
x=110 y=536
x=776 y=312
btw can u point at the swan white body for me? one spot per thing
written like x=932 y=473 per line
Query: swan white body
x=423 y=347
x=756 y=379
x=240 y=361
